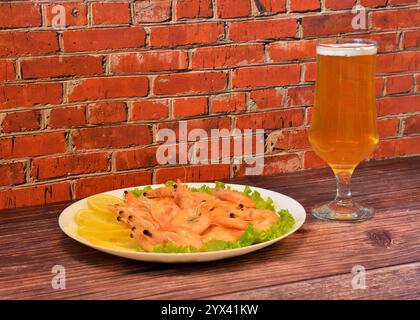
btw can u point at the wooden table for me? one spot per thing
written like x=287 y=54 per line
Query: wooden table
x=314 y=263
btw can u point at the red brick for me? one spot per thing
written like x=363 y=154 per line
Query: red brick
x=397 y=147
x=152 y=11
x=264 y=76
x=309 y=112
x=67 y=117
x=89 y=186
x=187 y=107
x=267 y=98
x=281 y=163
x=149 y=61
x=103 y=39
x=21 y=121
x=387 y=41
x=32 y=145
x=395 y=19
x=110 y=13
x=301 y=96
x=379 y=86
x=61 y=66
x=262 y=29
x=112 y=137
x=311 y=160
x=198 y=173
x=107 y=88
x=107 y=112
x=22 y=43
x=339 y=4
x=326 y=24
x=269 y=7
x=75 y=13
x=291 y=50
x=309 y=71
x=20 y=15
x=7 y=70
x=412 y=124
x=191 y=9
x=373 y=3
x=388 y=127
x=197 y=82
x=305 y=5
x=233 y=8
x=417 y=80
x=135 y=158
x=228 y=102
x=35 y=195
x=12 y=174
x=397 y=105
x=206 y=124
x=399 y=84
x=150 y=110
x=186 y=34
x=273 y=164
x=292 y=139
x=272 y=120
x=227 y=56
x=411 y=39
x=401 y=2
x=29 y=95
x=68 y=165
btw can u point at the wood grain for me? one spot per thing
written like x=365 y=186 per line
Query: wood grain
x=317 y=257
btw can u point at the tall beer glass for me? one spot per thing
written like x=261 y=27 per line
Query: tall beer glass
x=343 y=129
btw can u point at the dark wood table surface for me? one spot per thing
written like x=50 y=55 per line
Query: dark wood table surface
x=314 y=263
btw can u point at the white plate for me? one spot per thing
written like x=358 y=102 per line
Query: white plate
x=69 y=227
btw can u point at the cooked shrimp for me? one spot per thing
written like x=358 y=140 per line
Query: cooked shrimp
x=235 y=197
x=220 y=233
x=263 y=219
x=149 y=238
x=192 y=219
x=159 y=192
x=183 y=197
x=232 y=223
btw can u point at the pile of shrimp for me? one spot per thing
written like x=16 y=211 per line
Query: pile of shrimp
x=185 y=218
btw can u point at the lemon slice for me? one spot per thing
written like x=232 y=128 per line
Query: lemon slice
x=88 y=218
x=127 y=245
x=103 y=203
x=122 y=234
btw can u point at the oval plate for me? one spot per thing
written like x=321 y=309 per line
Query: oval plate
x=69 y=227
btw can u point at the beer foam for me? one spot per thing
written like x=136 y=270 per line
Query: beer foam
x=346 y=50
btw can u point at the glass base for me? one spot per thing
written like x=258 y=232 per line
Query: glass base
x=335 y=211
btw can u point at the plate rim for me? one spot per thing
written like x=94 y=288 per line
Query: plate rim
x=118 y=252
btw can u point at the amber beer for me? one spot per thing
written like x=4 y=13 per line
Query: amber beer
x=343 y=130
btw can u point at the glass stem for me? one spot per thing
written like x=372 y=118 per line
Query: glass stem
x=343 y=196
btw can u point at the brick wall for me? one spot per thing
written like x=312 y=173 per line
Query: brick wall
x=80 y=106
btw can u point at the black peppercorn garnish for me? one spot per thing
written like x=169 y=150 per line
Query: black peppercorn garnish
x=232 y=215
x=121 y=212
x=118 y=218
x=125 y=192
x=175 y=186
x=130 y=218
x=241 y=206
x=144 y=194
x=133 y=228
x=147 y=233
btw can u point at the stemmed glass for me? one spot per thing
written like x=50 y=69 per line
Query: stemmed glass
x=343 y=129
